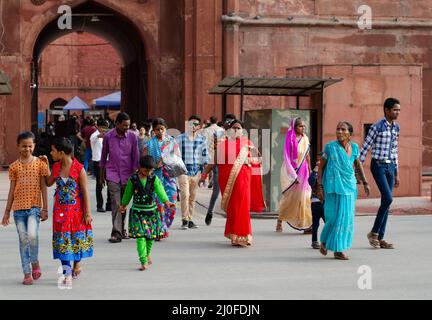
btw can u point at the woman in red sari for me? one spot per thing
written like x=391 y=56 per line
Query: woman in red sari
x=240 y=181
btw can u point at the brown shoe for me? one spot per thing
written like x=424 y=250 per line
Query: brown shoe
x=385 y=245
x=340 y=256
x=373 y=239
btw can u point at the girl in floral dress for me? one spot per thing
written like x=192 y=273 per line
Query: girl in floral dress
x=72 y=230
x=145 y=223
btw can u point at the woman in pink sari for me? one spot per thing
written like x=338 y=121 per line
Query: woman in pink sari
x=240 y=182
x=295 y=204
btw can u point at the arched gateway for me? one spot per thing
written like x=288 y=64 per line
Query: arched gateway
x=171 y=52
x=122 y=34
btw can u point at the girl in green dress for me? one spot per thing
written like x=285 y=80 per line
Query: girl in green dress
x=145 y=224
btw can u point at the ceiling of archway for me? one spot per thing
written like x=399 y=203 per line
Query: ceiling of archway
x=109 y=25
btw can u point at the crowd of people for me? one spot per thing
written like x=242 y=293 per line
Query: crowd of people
x=155 y=170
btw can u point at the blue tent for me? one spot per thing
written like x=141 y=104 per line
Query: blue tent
x=112 y=100
x=76 y=104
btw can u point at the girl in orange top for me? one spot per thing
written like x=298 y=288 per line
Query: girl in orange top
x=28 y=199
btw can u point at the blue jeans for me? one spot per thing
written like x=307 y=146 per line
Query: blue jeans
x=216 y=190
x=27 y=224
x=384 y=175
x=88 y=156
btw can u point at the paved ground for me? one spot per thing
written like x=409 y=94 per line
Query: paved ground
x=200 y=264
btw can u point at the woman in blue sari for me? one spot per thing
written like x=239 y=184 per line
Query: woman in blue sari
x=160 y=147
x=340 y=191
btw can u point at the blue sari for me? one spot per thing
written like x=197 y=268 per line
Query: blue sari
x=340 y=190
x=160 y=150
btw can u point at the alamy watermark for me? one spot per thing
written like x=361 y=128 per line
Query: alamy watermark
x=365 y=20
x=64 y=22
x=365 y=280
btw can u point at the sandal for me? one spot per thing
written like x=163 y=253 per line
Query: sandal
x=373 y=239
x=36 y=273
x=385 y=245
x=340 y=256
x=67 y=282
x=279 y=226
x=323 y=249
x=144 y=267
x=28 y=281
x=76 y=273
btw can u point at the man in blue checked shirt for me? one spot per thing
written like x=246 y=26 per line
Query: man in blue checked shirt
x=383 y=138
x=193 y=147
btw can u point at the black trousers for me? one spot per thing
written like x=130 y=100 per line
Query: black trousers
x=317 y=214
x=99 y=196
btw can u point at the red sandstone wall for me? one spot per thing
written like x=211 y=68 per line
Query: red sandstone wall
x=266 y=50
x=359 y=99
x=341 y=8
x=81 y=65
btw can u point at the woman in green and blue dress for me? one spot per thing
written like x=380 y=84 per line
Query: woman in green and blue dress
x=340 y=191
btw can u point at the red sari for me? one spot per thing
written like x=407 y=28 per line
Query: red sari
x=238 y=186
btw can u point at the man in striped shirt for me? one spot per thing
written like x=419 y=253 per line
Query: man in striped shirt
x=193 y=147
x=383 y=138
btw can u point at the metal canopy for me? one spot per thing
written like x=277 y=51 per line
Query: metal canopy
x=5 y=87
x=271 y=86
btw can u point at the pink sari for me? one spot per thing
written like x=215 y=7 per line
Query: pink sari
x=295 y=203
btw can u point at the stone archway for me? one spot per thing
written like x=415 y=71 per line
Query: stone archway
x=106 y=23
x=57 y=102
x=158 y=27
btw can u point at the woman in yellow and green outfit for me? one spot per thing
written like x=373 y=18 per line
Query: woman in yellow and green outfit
x=145 y=224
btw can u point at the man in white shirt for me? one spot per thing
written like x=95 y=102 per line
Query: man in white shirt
x=213 y=134
x=96 y=142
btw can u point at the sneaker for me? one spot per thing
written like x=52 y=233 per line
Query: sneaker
x=101 y=210
x=315 y=245
x=185 y=225
x=208 y=218
x=192 y=225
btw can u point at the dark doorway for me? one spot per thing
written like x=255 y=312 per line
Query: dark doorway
x=124 y=37
x=58 y=103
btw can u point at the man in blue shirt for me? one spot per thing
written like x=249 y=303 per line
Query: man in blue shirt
x=193 y=147
x=383 y=138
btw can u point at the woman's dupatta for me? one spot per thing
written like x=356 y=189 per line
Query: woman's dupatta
x=294 y=169
x=257 y=204
x=237 y=166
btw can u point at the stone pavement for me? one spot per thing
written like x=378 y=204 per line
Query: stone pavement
x=201 y=264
